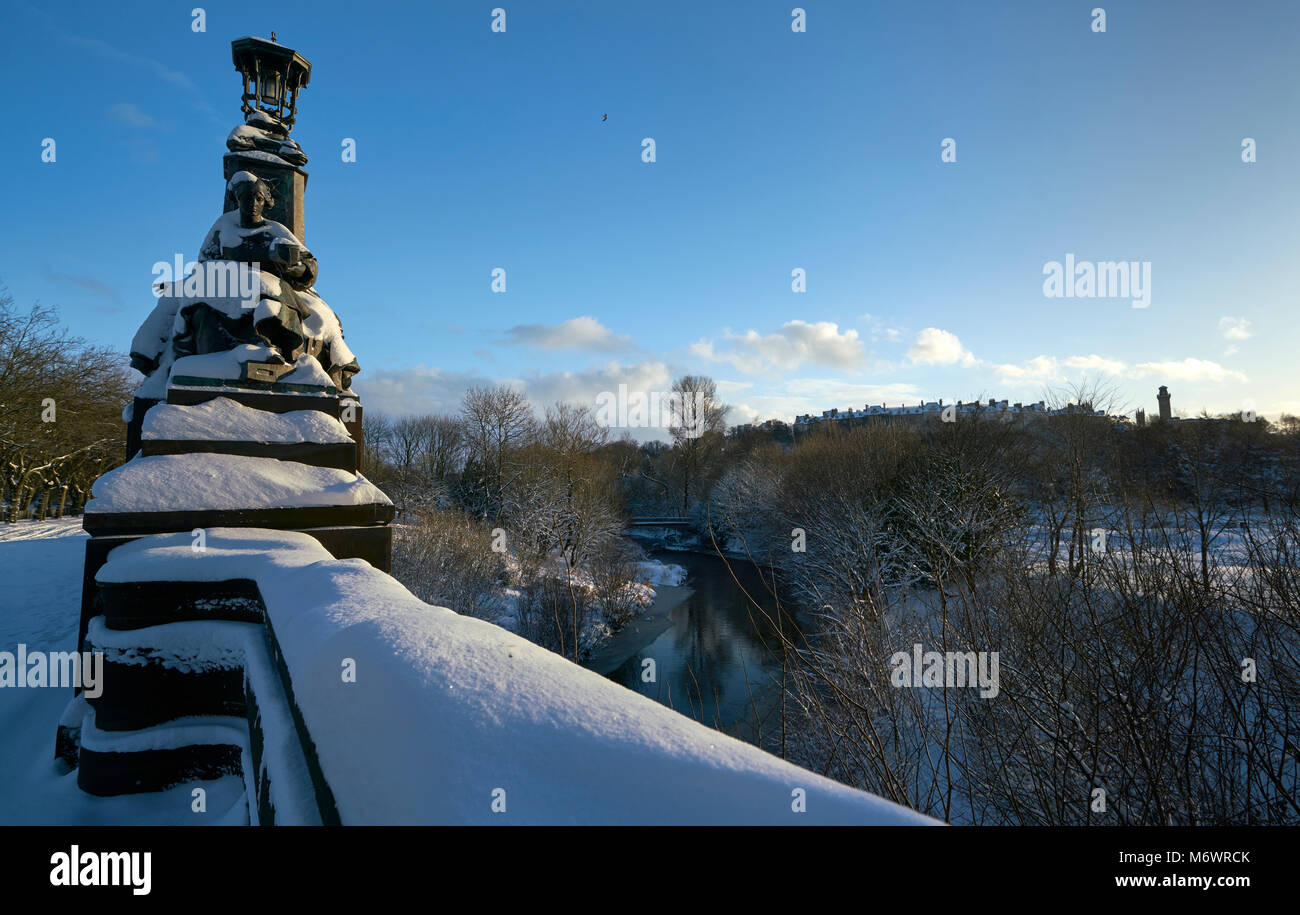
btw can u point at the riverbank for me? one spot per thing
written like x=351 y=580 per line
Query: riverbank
x=674 y=540
x=640 y=632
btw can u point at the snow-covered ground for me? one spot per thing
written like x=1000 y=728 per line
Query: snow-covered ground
x=448 y=719
x=40 y=599
x=651 y=574
x=658 y=574
x=471 y=724
x=41 y=530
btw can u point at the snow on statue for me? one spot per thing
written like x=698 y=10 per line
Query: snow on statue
x=211 y=311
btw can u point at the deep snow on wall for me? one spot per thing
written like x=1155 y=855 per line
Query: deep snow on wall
x=413 y=714
x=419 y=715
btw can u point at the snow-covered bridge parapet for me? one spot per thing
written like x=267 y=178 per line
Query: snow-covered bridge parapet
x=410 y=713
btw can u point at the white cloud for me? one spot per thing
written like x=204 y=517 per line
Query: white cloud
x=1039 y=370
x=704 y=349
x=1278 y=407
x=824 y=389
x=112 y=52
x=415 y=390
x=431 y=390
x=939 y=347
x=1095 y=363
x=130 y=115
x=878 y=330
x=1234 y=329
x=174 y=77
x=1049 y=369
x=795 y=344
x=583 y=332
x=583 y=387
x=1188 y=369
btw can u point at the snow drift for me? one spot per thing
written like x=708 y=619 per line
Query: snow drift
x=420 y=716
x=214 y=482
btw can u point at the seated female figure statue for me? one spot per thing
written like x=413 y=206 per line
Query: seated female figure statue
x=288 y=317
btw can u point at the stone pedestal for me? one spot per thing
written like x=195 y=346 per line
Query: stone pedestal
x=211 y=457
x=344 y=407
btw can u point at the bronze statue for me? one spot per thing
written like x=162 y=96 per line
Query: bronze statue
x=246 y=236
x=288 y=316
x=275 y=320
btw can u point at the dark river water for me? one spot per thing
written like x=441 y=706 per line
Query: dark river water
x=718 y=661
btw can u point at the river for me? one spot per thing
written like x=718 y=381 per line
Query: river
x=712 y=648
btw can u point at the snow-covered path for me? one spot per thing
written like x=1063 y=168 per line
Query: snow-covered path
x=41 y=530
x=40 y=597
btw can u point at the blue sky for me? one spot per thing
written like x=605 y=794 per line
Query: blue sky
x=774 y=151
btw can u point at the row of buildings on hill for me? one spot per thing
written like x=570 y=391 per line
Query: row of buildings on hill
x=938 y=411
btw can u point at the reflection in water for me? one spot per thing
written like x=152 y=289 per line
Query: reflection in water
x=719 y=660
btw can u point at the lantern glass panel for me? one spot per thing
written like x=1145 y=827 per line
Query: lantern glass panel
x=271 y=92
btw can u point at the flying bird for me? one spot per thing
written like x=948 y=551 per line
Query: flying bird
x=604 y=119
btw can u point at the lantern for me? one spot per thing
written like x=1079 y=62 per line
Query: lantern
x=272 y=74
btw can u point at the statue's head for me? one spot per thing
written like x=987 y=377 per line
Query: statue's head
x=253 y=196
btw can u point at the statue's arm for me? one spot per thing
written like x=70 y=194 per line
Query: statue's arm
x=309 y=270
x=302 y=275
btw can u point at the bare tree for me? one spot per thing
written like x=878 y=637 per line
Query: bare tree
x=498 y=422
x=447 y=560
x=697 y=431
x=61 y=403
x=376 y=433
x=1146 y=686
x=445 y=452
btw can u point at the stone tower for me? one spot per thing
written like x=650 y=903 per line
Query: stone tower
x=1163 y=397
